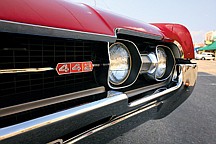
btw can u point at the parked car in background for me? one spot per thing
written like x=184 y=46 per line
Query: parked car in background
x=205 y=56
x=73 y=73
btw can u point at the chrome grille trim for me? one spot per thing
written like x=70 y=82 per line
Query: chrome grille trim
x=49 y=101
x=9 y=71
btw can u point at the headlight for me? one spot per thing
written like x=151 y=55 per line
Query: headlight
x=120 y=63
x=162 y=60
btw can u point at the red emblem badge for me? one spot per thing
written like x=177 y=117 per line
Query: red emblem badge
x=74 y=67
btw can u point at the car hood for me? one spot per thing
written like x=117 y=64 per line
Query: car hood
x=72 y=16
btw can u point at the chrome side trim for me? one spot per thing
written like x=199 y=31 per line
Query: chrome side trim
x=8 y=71
x=24 y=28
x=111 y=123
x=138 y=34
x=49 y=101
x=30 y=125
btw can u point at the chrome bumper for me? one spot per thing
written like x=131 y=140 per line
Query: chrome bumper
x=116 y=104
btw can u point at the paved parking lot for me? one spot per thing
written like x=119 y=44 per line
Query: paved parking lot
x=194 y=122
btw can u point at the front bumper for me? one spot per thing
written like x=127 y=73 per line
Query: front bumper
x=115 y=106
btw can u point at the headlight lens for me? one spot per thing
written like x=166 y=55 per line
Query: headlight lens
x=120 y=63
x=162 y=57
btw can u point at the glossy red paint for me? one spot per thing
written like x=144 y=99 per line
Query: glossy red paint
x=179 y=33
x=116 y=21
x=53 y=13
x=67 y=15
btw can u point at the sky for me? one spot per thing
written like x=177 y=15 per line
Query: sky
x=199 y=16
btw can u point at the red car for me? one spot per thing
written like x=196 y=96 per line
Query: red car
x=72 y=73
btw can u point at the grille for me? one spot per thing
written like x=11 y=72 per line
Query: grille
x=25 y=51
x=32 y=52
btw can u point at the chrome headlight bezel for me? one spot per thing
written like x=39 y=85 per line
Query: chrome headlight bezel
x=122 y=47
x=135 y=65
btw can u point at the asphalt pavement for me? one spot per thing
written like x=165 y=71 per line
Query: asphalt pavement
x=194 y=122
